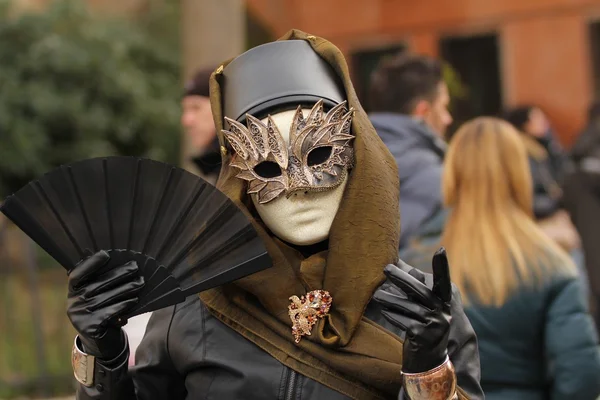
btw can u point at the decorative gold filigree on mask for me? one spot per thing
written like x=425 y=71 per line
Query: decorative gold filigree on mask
x=317 y=159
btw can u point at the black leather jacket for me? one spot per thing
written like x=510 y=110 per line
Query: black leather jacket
x=187 y=353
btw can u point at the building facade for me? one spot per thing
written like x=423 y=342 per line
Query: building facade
x=510 y=52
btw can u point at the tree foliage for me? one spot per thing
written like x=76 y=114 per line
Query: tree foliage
x=75 y=85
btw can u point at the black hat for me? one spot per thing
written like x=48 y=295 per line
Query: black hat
x=275 y=76
x=198 y=85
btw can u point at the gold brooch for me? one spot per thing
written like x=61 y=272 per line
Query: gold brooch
x=305 y=311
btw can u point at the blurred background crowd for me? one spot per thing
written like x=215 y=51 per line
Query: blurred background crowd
x=489 y=109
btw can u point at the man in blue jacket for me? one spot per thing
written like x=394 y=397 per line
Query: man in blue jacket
x=409 y=100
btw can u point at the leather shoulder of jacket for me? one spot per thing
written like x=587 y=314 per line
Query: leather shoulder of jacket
x=186 y=321
x=187 y=317
x=192 y=305
x=173 y=324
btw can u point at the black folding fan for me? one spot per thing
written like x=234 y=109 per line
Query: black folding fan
x=185 y=235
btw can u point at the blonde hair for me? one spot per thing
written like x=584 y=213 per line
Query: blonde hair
x=492 y=240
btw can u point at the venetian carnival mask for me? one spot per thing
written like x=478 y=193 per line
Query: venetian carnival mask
x=296 y=166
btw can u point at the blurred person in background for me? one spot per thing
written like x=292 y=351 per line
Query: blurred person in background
x=547 y=160
x=409 y=100
x=549 y=165
x=198 y=126
x=521 y=292
x=582 y=200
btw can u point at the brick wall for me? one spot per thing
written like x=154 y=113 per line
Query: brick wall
x=544 y=45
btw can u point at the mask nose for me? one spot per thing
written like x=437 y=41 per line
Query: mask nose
x=297 y=192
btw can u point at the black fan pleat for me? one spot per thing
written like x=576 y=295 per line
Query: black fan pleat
x=184 y=234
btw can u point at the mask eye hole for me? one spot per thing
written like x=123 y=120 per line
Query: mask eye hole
x=318 y=155
x=268 y=169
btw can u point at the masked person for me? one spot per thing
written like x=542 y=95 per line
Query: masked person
x=305 y=164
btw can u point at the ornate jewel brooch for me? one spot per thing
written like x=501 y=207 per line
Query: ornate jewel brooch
x=305 y=311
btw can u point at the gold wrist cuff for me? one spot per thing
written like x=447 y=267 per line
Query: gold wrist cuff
x=83 y=365
x=436 y=384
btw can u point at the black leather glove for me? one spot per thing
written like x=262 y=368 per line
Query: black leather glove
x=422 y=310
x=97 y=295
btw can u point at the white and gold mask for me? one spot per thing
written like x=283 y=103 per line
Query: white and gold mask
x=315 y=157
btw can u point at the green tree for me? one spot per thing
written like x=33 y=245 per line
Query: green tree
x=75 y=85
x=457 y=88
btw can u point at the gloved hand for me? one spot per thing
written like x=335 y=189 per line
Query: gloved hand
x=96 y=296
x=421 y=310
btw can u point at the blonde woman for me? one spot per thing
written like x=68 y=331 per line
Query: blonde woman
x=520 y=289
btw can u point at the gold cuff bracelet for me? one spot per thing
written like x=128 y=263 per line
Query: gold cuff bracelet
x=436 y=384
x=83 y=365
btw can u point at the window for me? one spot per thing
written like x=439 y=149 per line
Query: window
x=475 y=60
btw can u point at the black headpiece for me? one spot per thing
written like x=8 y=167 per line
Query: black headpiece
x=294 y=75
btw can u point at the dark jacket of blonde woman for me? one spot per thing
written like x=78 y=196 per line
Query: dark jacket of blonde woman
x=541 y=344
x=536 y=338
